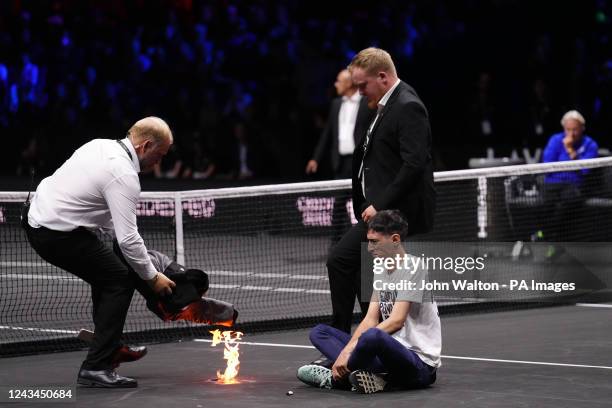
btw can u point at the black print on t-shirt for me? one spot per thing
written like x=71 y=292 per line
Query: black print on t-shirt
x=387 y=299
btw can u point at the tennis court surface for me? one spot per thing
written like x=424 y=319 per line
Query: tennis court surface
x=546 y=357
x=265 y=248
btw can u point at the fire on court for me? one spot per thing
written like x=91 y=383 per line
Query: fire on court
x=231 y=353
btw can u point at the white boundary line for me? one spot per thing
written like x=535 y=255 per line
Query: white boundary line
x=230 y=285
x=594 y=305
x=496 y=360
x=246 y=274
x=36 y=329
x=261 y=344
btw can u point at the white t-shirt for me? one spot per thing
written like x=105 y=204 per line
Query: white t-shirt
x=421 y=332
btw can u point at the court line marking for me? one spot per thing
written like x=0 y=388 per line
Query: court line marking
x=594 y=305
x=256 y=275
x=30 y=276
x=496 y=360
x=290 y=290
x=36 y=329
x=249 y=287
x=20 y=264
x=250 y=343
x=212 y=285
x=27 y=276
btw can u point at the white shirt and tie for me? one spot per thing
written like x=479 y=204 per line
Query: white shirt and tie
x=347 y=117
x=381 y=104
x=96 y=188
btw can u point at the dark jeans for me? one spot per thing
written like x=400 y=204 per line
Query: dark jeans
x=344 y=271
x=81 y=253
x=378 y=352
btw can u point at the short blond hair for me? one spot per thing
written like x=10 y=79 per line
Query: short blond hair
x=150 y=128
x=373 y=60
x=573 y=115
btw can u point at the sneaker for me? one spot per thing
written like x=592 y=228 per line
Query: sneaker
x=315 y=375
x=323 y=362
x=366 y=382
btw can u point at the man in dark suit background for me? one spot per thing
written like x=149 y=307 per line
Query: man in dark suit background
x=349 y=117
x=392 y=169
x=348 y=120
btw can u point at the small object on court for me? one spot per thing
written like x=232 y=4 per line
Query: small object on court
x=289 y=392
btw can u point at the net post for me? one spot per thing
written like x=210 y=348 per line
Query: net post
x=178 y=221
x=482 y=208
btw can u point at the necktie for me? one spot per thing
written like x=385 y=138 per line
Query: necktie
x=366 y=143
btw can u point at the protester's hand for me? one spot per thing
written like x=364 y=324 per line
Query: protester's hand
x=312 y=166
x=368 y=213
x=340 y=368
x=161 y=284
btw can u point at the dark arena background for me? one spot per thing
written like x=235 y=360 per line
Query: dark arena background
x=246 y=88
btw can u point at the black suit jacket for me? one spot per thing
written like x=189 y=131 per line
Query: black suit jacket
x=328 y=142
x=398 y=163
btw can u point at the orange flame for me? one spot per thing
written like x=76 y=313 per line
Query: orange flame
x=231 y=353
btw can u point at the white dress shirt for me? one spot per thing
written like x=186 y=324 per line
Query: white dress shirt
x=347 y=117
x=96 y=188
x=381 y=104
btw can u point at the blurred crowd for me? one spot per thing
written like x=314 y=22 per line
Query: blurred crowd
x=246 y=85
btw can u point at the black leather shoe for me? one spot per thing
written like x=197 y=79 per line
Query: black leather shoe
x=104 y=379
x=126 y=354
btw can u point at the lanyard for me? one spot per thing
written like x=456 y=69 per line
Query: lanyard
x=125 y=148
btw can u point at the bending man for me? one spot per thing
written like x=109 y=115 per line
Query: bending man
x=98 y=188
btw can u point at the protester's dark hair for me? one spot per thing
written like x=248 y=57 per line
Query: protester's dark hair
x=389 y=222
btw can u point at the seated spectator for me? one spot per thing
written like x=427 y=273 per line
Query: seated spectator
x=571 y=144
x=171 y=165
x=199 y=165
x=563 y=190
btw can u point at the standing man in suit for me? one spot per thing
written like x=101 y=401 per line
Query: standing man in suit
x=348 y=120
x=392 y=169
x=349 y=117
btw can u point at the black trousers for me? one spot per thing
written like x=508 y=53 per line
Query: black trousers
x=344 y=271
x=81 y=253
x=341 y=220
x=344 y=167
x=562 y=202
